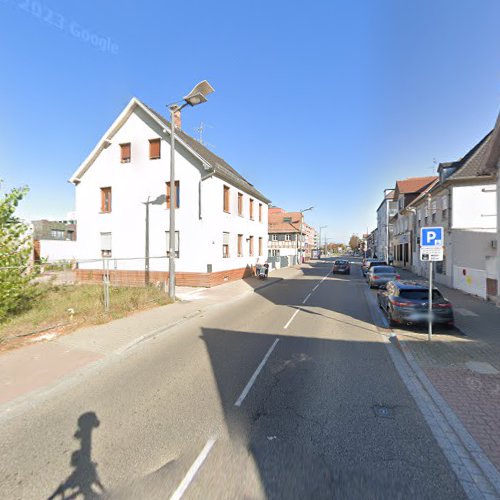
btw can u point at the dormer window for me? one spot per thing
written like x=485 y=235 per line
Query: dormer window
x=125 y=152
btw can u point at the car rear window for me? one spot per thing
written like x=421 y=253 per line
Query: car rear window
x=384 y=270
x=341 y=262
x=419 y=294
x=377 y=263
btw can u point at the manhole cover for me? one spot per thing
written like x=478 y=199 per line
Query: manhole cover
x=383 y=411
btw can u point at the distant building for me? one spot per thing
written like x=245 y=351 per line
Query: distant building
x=289 y=235
x=54 y=240
x=385 y=211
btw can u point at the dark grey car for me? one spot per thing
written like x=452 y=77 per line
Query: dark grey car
x=379 y=276
x=407 y=302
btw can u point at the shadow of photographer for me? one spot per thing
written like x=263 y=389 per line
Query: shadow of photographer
x=84 y=480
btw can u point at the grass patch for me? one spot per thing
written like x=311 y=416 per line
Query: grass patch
x=50 y=305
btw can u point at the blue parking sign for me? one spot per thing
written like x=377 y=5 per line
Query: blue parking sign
x=431 y=236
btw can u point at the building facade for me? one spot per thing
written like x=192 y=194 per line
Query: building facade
x=221 y=219
x=385 y=211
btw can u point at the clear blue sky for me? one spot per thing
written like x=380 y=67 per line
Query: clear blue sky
x=322 y=103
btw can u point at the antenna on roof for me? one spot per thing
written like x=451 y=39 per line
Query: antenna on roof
x=434 y=166
x=200 y=131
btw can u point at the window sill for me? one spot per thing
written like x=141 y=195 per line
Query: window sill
x=155 y=158
x=226 y=211
x=125 y=161
x=101 y=212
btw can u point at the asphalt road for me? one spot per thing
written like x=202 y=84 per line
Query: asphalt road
x=287 y=393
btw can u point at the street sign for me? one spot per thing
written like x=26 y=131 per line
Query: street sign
x=431 y=236
x=431 y=244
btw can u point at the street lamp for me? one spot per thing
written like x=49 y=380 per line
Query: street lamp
x=320 y=228
x=195 y=97
x=160 y=200
x=301 y=247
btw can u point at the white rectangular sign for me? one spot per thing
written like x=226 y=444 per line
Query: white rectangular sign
x=431 y=254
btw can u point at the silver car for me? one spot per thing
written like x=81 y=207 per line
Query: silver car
x=379 y=276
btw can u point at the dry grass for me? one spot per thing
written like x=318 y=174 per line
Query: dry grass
x=50 y=308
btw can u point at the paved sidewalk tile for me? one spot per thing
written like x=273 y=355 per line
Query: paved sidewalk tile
x=465 y=369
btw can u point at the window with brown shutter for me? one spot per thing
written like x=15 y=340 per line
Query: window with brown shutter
x=177 y=194
x=240 y=204
x=251 y=208
x=106 y=199
x=250 y=246
x=260 y=247
x=125 y=152
x=260 y=212
x=240 y=245
x=154 y=149
x=226 y=199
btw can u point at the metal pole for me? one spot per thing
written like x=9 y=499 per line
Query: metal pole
x=146 y=260
x=430 y=301
x=430 y=275
x=319 y=241
x=387 y=230
x=300 y=238
x=173 y=202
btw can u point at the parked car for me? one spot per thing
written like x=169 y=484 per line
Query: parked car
x=369 y=263
x=407 y=302
x=379 y=276
x=341 y=266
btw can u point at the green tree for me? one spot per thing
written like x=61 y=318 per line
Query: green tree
x=15 y=251
x=354 y=242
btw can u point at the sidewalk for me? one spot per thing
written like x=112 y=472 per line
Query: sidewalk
x=44 y=364
x=464 y=366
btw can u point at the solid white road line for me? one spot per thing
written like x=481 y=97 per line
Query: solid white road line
x=183 y=486
x=291 y=319
x=316 y=287
x=247 y=388
x=306 y=299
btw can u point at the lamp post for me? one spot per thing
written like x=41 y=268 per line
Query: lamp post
x=320 y=228
x=157 y=201
x=195 y=97
x=301 y=247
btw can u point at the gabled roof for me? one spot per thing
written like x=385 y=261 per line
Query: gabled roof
x=277 y=224
x=472 y=163
x=210 y=160
x=423 y=194
x=493 y=157
x=413 y=184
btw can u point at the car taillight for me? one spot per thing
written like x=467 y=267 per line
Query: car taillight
x=444 y=305
x=375 y=277
x=402 y=303
x=398 y=277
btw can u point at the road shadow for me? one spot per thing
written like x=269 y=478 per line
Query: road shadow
x=310 y=427
x=84 y=481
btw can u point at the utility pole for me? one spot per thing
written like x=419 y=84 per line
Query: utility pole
x=429 y=337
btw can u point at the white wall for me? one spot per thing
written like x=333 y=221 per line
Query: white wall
x=132 y=183
x=57 y=250
x=470 y=280
x=474 y=207
x=216 y=221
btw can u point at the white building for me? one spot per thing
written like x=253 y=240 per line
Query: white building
x=462 y=201
x=385 y=211
x=221 y=219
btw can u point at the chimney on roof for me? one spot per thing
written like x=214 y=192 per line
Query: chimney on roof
x=177 y=119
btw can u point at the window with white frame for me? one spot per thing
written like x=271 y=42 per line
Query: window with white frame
x=274 y=237
x=287 y=237
x=106 y=244
x=176 y=243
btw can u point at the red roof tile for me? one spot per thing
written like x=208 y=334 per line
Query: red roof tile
x=413 y=184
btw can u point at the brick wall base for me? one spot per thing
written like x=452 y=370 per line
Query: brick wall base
x=137 y=278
